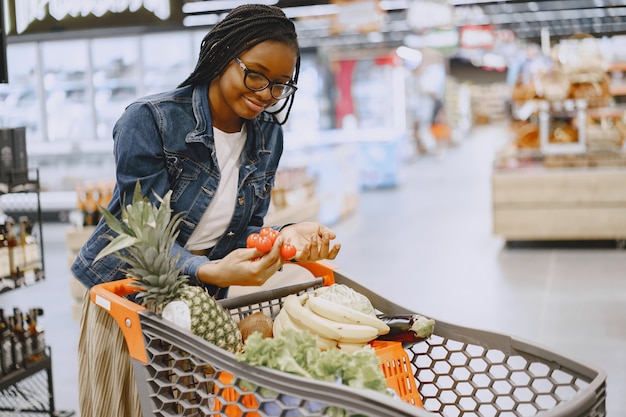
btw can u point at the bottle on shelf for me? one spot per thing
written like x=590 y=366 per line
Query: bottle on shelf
x=17 y=345
x=6 y=346
x=23 y=334
x=36 y=333
x=30 y=249
x=90 y=207
x=16 y=252
x=6 y=279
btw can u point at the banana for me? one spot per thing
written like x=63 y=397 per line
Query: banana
x=278 y=327
x=350 y=332
x=323 y=343
x=309 y=320
x=341 y=332
x=282 y=322
x=344 y=314
x=352 y=347
x=288 y=324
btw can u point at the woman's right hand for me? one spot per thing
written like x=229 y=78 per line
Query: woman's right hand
x=245 y=266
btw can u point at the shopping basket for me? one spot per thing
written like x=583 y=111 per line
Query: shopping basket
x=458 y=371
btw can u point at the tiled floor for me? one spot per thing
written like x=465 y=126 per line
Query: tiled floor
x=428 y=245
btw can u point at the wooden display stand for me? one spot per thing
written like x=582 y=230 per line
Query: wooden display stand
x=559 y=204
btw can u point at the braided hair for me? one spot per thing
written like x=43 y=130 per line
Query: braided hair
x=243 y=28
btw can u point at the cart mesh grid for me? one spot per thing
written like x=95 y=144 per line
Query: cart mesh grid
x=459 y=372
x=187 y=380
x=461 y=379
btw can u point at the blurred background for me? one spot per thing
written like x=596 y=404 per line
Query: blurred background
x=470 y=151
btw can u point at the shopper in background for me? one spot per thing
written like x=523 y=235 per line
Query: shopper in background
x=215 y=141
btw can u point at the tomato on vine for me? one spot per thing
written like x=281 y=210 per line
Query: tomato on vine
x=269 y=233
x=287 y=251
x=252 y=240
x=264 y=244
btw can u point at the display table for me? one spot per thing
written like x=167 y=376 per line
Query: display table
x=539 y=203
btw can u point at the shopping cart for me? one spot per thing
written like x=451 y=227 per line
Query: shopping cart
x=458 y=371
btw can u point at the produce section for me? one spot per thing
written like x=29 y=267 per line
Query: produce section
x=561 y=176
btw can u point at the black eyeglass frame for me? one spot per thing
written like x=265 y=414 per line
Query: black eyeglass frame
x=271 y=84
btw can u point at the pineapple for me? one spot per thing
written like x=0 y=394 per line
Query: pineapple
x=145 y=239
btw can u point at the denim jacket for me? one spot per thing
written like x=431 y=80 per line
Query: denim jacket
x=166 y=141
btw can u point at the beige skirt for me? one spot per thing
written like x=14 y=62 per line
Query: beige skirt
x=106 y=381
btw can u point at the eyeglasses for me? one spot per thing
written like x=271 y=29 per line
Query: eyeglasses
x=256 y=81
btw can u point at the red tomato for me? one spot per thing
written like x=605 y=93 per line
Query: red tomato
x=287 y=251
x=270 y=233
x=264 y=244
x=252 y=240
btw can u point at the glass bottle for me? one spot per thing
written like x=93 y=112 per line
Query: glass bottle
x=16 y=253
x=36 y=334
x=6 y=280
x=17 y=346
x=30 y=249
x=90 y=207
x=6 y=348
x=22 y=334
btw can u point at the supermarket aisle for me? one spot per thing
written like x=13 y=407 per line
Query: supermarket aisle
x=427 y=244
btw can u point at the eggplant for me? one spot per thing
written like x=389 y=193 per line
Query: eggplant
x=407 y=328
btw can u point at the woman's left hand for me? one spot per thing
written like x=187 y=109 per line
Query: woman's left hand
x=312 y=241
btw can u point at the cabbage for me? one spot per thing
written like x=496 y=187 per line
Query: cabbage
x=342 y=294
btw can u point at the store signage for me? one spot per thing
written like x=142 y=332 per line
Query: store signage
x=477 y=37
x=362 y=16
x=425 y=15
x=29 y=16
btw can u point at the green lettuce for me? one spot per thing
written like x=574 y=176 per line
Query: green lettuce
x=297 y=353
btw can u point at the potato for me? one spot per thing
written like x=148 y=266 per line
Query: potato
x=256 y=322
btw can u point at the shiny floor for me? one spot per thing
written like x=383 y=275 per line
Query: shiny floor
x=428 y=244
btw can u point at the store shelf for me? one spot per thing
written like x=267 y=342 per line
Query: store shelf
x=617 y=89
x=22 y=199
x=25 y=383
x=13 y=378
x=559 y=204
x=29 y=391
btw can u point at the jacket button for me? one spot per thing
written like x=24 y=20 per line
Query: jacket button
x=241 y=201
x=230 y=234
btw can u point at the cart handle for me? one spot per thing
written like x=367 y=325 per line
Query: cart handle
x=321 y=269
x=109 y=296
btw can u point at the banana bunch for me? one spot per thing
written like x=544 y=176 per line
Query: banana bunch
x=334 y=324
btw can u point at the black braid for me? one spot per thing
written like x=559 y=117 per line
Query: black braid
x=243 y=28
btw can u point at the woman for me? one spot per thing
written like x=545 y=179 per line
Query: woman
x=215 y=141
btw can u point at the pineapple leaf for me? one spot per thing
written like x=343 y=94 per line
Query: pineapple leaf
x=164 y=216
x=115 y=225
x=117 y=244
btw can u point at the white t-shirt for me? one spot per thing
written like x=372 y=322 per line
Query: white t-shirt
x=216 y=218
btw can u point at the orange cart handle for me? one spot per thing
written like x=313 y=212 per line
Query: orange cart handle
x=109 y=297
x=321 y=269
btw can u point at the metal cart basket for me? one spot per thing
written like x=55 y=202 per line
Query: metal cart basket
x=458 y=371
